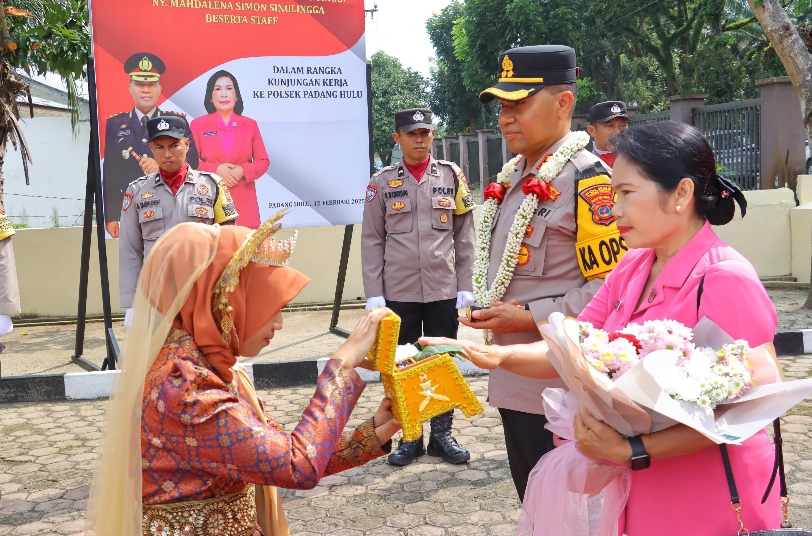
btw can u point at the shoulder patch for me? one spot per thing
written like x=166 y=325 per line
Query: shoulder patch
x=592 y=171
x=584 y=159
x=371 y=193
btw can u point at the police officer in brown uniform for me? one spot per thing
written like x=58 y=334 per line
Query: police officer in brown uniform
x=606 y=119
x=158 y=201
x=558 y=267
x=417 y=251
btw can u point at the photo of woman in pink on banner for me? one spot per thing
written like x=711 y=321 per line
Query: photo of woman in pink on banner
x=231 y=145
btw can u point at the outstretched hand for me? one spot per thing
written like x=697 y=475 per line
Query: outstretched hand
x=486 y=357
x=385 y=422
x=355 y=349
x=502 y=318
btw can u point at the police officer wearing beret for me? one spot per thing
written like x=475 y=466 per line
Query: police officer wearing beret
x=553 y=269
x=126 y=148
x=417 y=251
x=175 y=193
x=606 y=119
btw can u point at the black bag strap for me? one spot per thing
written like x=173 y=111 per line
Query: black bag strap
x=699 y=292
x=731 y=482
x=778 y=466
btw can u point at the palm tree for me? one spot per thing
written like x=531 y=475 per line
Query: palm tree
x=38 y=36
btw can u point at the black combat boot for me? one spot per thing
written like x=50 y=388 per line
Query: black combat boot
x=442 y=444
x=407 y=452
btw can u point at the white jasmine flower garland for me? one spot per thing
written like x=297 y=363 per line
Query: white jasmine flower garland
x=549 y=171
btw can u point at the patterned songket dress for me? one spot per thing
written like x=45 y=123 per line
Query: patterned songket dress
x=204 y=448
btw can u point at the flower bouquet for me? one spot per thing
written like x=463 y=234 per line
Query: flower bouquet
x=642 y=379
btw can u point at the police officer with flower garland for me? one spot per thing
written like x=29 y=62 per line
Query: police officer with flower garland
x=417 y=252
x=606 y=119
x=158 y=201
x=553 y=259
x=126 y=147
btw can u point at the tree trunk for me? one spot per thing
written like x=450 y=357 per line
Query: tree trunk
x=795 y=57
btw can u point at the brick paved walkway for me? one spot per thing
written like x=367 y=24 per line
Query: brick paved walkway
x=47 y=453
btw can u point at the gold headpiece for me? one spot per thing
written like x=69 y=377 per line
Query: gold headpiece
x=259 y=247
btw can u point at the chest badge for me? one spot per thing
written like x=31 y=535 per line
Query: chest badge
x=398 y=205
x=524 y=256
x=371 y=193
x=601 y=199
x=148 y=214
x=127 y=201
x=201 y=211
x=443 y=218
x=123 y=126
x=444 y=202
x=395 y=183
x=652 y=295
x=125 y=154
x=202 y=189
x=147 y=195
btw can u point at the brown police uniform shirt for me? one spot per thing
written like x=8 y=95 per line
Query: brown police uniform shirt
x=149 y=209
x=417 y=239
x=550 y=280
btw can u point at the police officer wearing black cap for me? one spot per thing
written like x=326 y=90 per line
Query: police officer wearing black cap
x=606 y=119
x=175 y=193
x=126 y=147
x=537 y=91
x=417 y=255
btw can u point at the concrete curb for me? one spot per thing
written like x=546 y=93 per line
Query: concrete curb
x=98 y=385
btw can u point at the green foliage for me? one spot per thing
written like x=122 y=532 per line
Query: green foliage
x=55 y=218
x=393 y=88
x=55 y=39
x=456 y=106
x=638 y=51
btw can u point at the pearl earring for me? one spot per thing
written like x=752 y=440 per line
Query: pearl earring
x=679 y=208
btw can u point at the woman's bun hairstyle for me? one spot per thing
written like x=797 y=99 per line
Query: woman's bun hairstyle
x=667 y=152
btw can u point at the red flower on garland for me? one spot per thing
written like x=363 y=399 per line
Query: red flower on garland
x=543 y=190
x=495 y=191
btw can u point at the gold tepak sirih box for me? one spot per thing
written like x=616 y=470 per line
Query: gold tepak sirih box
x=421 y=390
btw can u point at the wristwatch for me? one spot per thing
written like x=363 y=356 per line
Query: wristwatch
x=640 y=458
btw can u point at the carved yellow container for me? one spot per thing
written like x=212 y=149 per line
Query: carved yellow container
x=421 y=390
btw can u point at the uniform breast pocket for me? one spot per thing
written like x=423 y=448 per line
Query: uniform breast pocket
x=441 y=212
x=533 y=248
x=399 y=215
x=152 y=222
x=201 y=212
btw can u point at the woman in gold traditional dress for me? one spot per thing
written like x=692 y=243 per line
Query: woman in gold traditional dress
x=189 y=450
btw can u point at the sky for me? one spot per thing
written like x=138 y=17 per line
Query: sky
x=399 y=29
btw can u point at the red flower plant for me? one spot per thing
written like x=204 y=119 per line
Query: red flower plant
x=631 y=338
x=495 y=191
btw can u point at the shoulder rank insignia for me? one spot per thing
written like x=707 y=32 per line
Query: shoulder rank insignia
x=395 y=183
x=371 y=193
x=400 y=171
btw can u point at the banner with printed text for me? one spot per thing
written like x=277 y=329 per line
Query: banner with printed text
x=275 y=96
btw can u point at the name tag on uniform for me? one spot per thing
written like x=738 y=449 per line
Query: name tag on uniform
x=201 y=200
x=212 y=133
x=123 y=133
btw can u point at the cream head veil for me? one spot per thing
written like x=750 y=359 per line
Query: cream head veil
x=175 y=263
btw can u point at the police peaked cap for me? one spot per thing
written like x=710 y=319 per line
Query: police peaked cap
x=525 y=71
x=144 y=67
x=606 y=111
x=413 y=118
x=166 y=125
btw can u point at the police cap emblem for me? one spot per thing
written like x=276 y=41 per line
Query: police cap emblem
x=616 y=109
x=163 y=125
x=418 y=116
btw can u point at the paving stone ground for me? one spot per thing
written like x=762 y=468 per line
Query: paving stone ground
x=47 y=453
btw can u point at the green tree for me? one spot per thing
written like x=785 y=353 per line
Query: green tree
x=457 y=106
x=39 y=36
x=393 y=88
